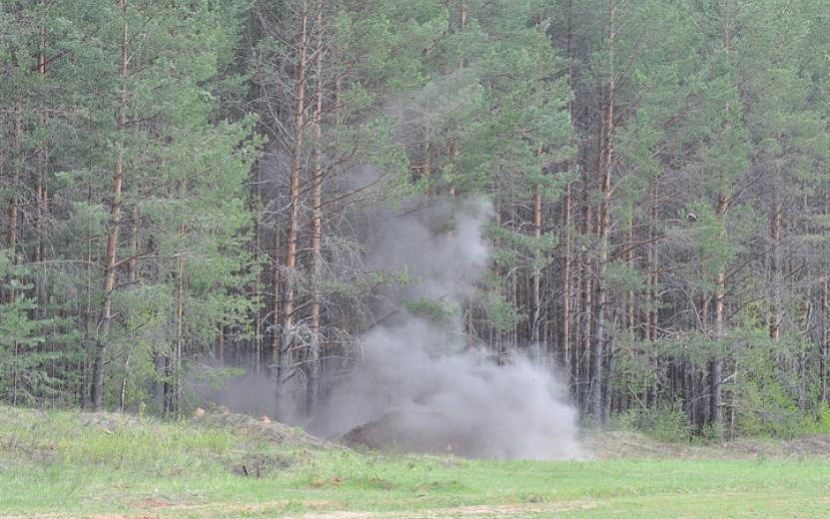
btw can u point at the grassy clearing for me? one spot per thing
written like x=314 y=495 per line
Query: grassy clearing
x=70 y=465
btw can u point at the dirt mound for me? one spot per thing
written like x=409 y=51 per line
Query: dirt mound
x=395 y=432
x=432 y=432
x=262 y=427
x=383 y=434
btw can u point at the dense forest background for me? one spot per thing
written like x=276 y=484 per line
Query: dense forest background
x=197 y=181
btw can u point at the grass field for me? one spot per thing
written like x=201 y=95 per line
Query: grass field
x=76 y=465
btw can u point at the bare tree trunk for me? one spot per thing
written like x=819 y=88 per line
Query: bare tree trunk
x=586 y=280
x=87 y=310
x=313 y=381
x=535 y=336
x=775 y=261
x=256 y=203
x=113 y=225
x=496 y=334
x=716 y=364
x=288 y=331
x=607 y=396
x=122 y=393
x=42 y=200
x=804 y=375
x=276 y=288
x=824 y=329
x=604 y=227
x=630 y=301
x=261 y=317
x=652 y=263
x=825 y=346
x=132 y=275
x=132 y=264
x=512 y=295
x=220 y=345
x=565 y=337
x=42 y=192
x=702 y=393
x=14 y=203
x=160 y=384
x=178 y=343
x=716 y=369
x=570 y=353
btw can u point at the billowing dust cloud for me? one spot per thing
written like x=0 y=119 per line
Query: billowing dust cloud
x=420 y=386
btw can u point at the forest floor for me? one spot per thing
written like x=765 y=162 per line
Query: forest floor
x=106 y=466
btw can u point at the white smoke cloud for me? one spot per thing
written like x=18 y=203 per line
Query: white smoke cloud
x=419 y=387
x=441 y=246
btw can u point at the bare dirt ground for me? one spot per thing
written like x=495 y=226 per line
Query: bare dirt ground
x=508 y=511
x=156 y=510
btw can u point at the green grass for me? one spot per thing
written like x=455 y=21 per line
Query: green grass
x=55 y=465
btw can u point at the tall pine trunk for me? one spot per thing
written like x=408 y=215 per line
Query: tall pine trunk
x=313 y=381
x=775 y=260
x=653 y=266
x=113 y=225
x=824 y=342
x=535 y=335
x=604 y=224
x=567 y=262
x=570 y=353
x=289 y=291
x=716 y=364
x=12 y=235
x=41 y=188
x=178 y=340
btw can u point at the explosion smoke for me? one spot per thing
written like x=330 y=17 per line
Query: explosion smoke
x=419 y=386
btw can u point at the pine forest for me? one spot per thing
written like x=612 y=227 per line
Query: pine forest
x=361 y=216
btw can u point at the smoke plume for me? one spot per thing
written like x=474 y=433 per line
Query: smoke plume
x=420 y=386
